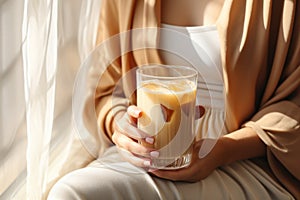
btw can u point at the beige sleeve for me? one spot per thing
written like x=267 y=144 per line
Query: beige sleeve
x=278 y=126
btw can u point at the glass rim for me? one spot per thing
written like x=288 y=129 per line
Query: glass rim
x=193 y=71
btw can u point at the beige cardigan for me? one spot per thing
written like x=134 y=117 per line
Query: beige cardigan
x=260 y=49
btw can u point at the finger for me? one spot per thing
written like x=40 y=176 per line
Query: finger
x=134 y=111
x=200 y=110
x=122 y=141
x=127 y=127
x=134 y=159
x=174 y=175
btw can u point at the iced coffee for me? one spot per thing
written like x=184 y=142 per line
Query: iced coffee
x=167 y=99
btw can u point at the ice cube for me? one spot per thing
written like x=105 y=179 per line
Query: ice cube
x=167 y=113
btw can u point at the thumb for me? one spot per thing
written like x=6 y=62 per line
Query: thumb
x=200 y=110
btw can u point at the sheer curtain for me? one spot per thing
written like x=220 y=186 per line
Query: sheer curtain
x=42 y=46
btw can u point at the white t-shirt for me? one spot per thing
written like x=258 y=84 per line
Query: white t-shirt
x=198 y=46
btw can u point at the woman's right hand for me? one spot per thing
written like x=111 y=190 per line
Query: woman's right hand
x=126 y=136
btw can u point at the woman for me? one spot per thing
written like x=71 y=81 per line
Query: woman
x=256 y=155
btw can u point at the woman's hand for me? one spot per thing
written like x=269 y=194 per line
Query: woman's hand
x=201 y=165
x=209 y=154
x=126 y=136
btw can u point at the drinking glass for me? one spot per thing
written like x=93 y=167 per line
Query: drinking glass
x=167 y=96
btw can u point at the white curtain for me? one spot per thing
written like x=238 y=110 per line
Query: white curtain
x=43 y=43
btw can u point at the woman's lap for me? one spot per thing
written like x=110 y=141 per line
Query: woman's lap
x=112 y=178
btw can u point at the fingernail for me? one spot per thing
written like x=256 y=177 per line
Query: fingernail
x=149 y=140
x=137 y=112
x=147 y=163
x=154 y=154
x=152 y=170
x=133 y=111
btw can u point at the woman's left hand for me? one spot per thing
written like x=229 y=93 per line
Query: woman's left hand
x=201 y=165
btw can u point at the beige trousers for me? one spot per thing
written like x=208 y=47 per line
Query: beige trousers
x=111 y=178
